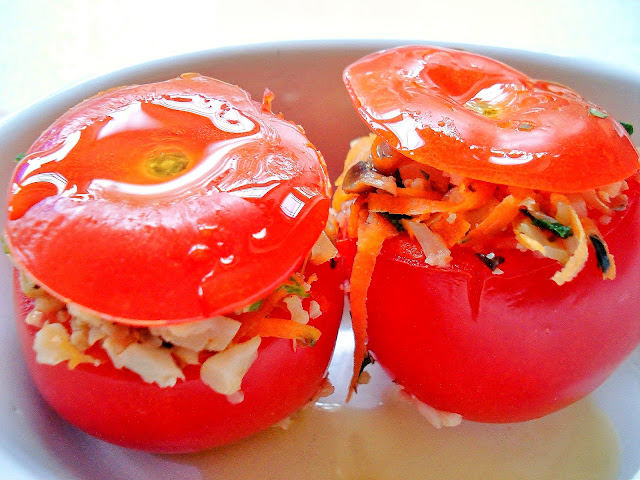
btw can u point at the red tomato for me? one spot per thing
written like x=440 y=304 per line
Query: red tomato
x=515 y=346
x=467 y=114
x=116 y=406
x=503 y=348
x=167 y=202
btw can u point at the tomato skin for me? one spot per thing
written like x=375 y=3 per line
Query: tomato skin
x=467 y=114
x=96 y=221
x=117 y=406
x=503 y=348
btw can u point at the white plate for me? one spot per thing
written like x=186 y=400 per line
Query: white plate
x=328 y=441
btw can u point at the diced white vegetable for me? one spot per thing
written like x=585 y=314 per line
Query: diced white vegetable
x=186 y=355
x=35 y=318
x=435 y=250
x=213 y=334
x=154 y=365
x=47 y=304
x=314 y=309
x=84 y=315
x=52 y=345
x=224 y=371
x=437 y=418
x=323 y=250
x=297 y=311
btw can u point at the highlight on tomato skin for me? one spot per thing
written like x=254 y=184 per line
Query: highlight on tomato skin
x=176 y=279
x=497 y=290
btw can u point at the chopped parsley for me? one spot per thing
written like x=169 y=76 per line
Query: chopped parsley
x=557 y=228
x=19 y=157
x=628 y=127
x=294 y=288
x=254 y=306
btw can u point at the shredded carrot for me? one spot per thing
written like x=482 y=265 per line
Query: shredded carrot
x=441 y=209
x=452 y=228
x=260 y=322
x=412 y=192
x=579 y=251
x=371 y=235
x=498 y=219
x=277 y=327
x=354 y=216
x=472 y=197
x=268 y=304
x=474 y=194
x=382 y=202
x=339 y=197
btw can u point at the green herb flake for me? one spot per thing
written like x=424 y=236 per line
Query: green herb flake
x=294 y=288
x=557 y=228
x=19 y=157
x=395 y=219
x=628 y=127
x=254 y=306
x=594 y=112
x=602 y=256
x=525 y=126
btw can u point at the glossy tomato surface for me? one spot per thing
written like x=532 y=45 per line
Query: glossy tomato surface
x=467 y=114
x=508 y=347
x=167 y=202
x=117 y=406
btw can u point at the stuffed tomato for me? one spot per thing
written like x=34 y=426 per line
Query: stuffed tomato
x=489 y=223
x=175 y=286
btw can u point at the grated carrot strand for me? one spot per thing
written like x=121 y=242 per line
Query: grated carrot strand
x=371 y=235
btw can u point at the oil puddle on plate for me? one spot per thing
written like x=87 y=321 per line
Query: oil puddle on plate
x=393 y=441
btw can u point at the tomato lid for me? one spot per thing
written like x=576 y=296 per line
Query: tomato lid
x=167 y=202
x=474 y=116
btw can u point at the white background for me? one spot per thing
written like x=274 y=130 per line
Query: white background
x=46 y=45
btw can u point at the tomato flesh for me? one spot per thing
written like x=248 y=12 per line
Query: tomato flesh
x=509 y=347
x=167 y=202
x=467 y=114
x=117 y=406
